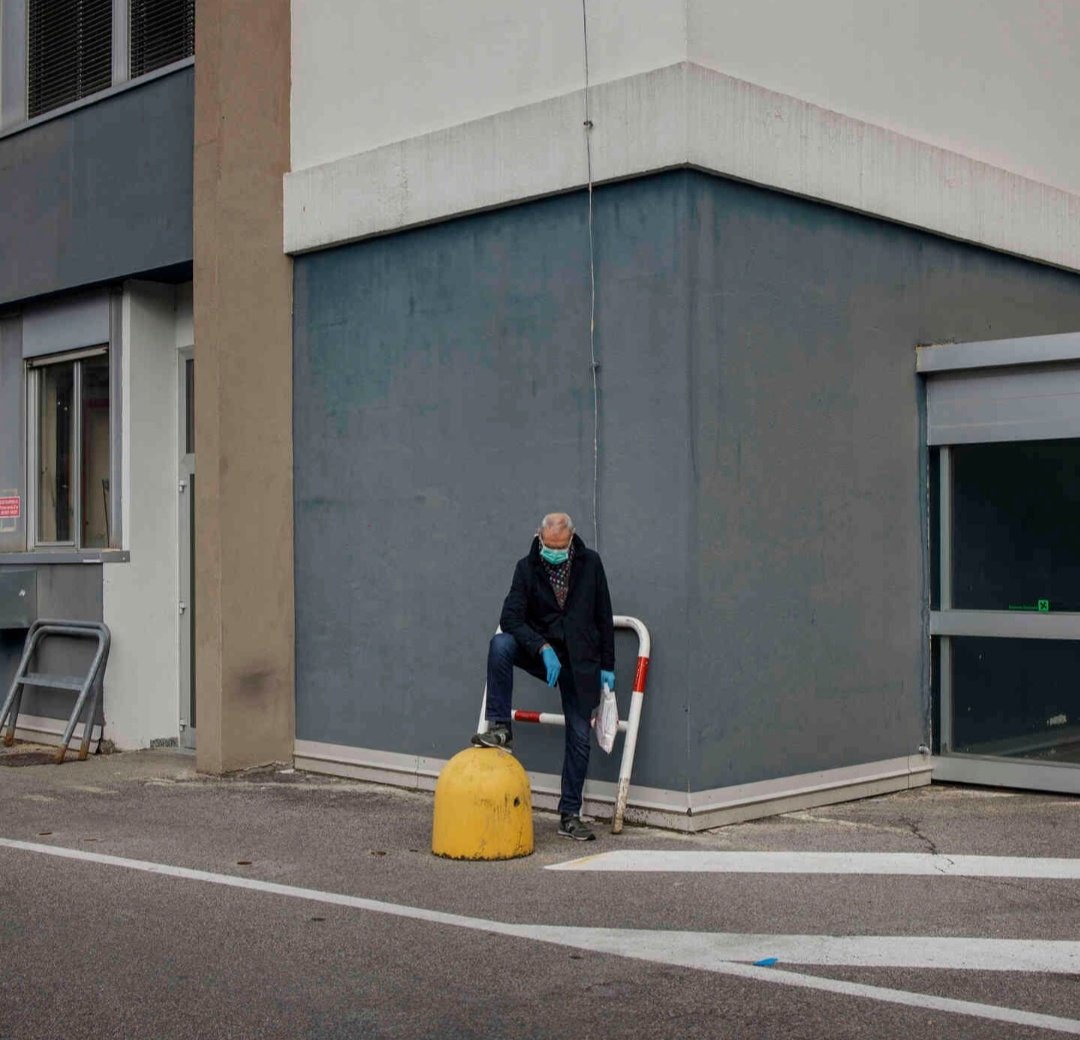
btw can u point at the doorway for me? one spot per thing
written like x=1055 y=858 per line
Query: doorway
x=1004 y=439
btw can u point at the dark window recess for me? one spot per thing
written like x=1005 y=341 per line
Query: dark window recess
x=1016 y=697
x=189 y=407
x=1016 y=526
x=162 y=31
x=69 y=52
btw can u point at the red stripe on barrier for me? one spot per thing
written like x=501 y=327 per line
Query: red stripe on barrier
x=526 y=716
x=641 y=674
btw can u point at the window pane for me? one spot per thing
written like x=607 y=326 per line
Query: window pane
x=69 y=52
x=56 y=411
x=189 y=403
x=95 y=453
x=1017 y=697
x=162 y=31
x=1016 y=517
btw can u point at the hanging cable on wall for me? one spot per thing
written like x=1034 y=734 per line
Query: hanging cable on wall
x=595 y=367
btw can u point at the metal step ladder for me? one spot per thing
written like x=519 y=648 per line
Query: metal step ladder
x=84 y=685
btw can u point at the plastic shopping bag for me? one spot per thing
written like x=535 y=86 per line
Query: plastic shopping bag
x=605 y=720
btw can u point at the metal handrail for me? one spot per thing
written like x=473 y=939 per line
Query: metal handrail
x=38 y=632
x=628 y=726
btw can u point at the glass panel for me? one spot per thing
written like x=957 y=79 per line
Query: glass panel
x=189 y=405
x=56 y=413
x=96 y=443
x=1016 y=509
x=934 y=532
x=1017 y=697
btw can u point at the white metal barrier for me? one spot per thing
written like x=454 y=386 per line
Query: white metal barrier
x=628 y=726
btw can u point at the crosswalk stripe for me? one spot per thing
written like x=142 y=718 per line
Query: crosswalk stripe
x=898 y=863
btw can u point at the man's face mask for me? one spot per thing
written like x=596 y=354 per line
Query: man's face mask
x=553 y=556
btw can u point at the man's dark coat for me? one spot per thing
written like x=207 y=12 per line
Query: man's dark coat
x=581 y=632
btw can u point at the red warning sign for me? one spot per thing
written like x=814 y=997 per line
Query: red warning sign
x=10 y=507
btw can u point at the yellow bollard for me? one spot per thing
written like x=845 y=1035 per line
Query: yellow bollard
x=483 y=807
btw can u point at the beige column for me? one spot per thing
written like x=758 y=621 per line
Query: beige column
x=244 y=636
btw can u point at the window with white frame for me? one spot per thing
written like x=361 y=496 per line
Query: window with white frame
x=70 y=449
x=62 y=51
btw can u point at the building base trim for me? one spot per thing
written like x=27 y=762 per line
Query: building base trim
x=656 y=807
x=1025 y=774
x=682 y=115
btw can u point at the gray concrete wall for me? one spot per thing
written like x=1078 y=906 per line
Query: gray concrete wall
x=101 y=193
x=443 y=404
x=807 y=645
x=761 y=480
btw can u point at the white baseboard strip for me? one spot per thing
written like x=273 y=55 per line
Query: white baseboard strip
x=656 y=807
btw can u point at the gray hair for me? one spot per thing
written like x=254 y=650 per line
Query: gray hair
x=556 y=521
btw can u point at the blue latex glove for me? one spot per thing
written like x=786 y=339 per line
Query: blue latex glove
x=551 y=663
x=607 y=679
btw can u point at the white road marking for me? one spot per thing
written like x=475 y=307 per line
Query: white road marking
x=912 y=863
x=685 y=949
x=705 y=949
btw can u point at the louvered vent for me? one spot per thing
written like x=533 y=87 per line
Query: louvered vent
x=69 y=51
x=162 y=31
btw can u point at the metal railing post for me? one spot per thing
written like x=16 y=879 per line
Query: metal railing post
x=628 y=726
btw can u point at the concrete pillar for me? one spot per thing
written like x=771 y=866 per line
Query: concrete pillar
x=243 y=387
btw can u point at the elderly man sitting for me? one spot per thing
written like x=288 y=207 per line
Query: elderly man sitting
x=556 y=625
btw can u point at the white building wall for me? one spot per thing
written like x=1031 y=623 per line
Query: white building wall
x=368 y=73
x=140 y=597
x=996 y=80
x=955 y=117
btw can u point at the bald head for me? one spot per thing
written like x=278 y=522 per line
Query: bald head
x=556 y=530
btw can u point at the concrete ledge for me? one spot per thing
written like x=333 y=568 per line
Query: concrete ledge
x=680 y=115
x=656 y=807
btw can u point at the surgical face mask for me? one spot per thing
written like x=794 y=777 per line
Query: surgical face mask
x=554 y=556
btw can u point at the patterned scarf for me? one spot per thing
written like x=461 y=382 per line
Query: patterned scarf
x=559 y=576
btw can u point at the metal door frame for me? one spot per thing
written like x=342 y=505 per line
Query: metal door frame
x=947 y=622
x=185 y=483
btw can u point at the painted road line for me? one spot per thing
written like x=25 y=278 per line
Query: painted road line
x=706 y=949
x=910 y=863
x=690 y=950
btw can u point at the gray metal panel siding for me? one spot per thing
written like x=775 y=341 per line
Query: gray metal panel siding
x=80 y=320
x=101 y=193
x=1022 y=403
x=761 y=464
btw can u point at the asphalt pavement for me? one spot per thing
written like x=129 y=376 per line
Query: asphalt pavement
x=139 y=899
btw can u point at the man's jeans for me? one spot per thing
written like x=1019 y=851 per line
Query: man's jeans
x=503 y=654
